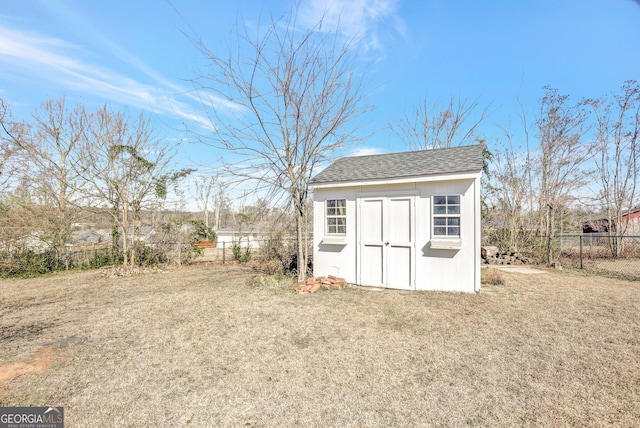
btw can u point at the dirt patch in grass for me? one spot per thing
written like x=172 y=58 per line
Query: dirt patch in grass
x=42 y=360
x=203 y=346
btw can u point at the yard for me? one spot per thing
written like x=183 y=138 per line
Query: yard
x=205 y=346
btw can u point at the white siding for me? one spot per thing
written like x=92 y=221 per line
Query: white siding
x=334 y=259
x=434 y=269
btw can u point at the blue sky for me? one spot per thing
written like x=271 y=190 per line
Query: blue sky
x=134 y=53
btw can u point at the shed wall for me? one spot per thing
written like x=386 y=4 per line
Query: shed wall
x=435 y=269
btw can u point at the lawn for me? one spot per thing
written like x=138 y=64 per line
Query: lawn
x=205 y=346
x=621 y=267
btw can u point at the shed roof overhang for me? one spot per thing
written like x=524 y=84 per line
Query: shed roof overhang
x=401 y=180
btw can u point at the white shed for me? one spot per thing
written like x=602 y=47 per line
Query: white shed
x=407 y=220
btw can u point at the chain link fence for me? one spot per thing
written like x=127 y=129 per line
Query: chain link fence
x=599 y=254
x=278 y=254
x=595 y=253
x=273 y=251
x=614 y=256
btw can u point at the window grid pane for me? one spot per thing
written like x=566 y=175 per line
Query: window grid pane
x=336 y=215
x=439 y=230
x=446 y=215
x=439 y=209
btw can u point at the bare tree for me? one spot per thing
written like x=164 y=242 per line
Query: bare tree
x=292 y=96
x=558 y=169
x=616 y=156
x=509 y=192
x=13 y=223
x=436 y=125
x=205 y=188
x=222 y=209
x=125 y=170
x=49 y=153
x=8 y=147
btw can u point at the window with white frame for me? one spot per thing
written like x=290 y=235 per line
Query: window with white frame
x=446 y=216
x=336 y=210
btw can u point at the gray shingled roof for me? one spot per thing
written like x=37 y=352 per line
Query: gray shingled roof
x=405 y=164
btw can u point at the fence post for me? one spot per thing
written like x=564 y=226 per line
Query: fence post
x=224 y=251
x=580 y=251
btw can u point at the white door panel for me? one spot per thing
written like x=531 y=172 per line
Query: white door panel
x=386 y=236
x=399 y=227
x=399 y=267
x=371 y=221
x=372 y=273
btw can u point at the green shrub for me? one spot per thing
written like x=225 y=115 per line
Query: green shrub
x=243 y=255
x=148 y=256
x=203 y=231
x=27 y=263
x=100 y=258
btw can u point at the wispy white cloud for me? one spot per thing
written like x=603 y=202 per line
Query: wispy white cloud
x=71 y=17
x=366 y=151
x=41 y=58
x=362 y=20
x=360 y=151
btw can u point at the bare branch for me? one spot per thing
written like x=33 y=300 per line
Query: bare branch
x=616 y=155
x=295 y=100
x=429 y=126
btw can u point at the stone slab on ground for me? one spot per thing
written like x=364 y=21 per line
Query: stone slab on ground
x=518 y=269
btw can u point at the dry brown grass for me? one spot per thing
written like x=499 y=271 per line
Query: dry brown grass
x=623 y=268
x=491 y=276
x=201 y=347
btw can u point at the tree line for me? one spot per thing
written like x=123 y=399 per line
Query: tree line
x=301 y=101
x=286 y=98
x=70 y=163
x=71 y=170
x=569 y=163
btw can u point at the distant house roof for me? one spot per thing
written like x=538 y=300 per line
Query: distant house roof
x=87 y=237
x=258 y=228
x=601 y=224
x=405 y=164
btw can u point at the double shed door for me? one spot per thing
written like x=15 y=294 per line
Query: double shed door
x=386 y=241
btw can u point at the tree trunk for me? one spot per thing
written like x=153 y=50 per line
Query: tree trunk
x=125 y=237
x=550 y=235
x=302 y=262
